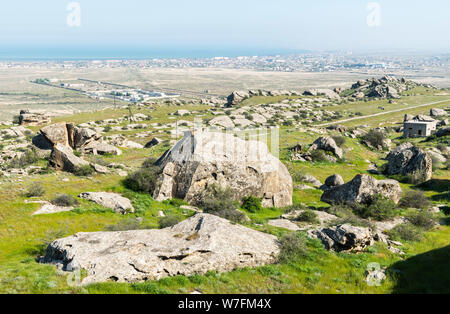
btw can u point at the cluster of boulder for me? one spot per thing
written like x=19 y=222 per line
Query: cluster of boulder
x=29 y=118
x=63 y=138
x=326 y=144
x=237 y=97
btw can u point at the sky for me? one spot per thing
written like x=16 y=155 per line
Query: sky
x=252 y=26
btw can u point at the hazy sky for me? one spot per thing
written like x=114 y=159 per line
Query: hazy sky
x=230 y=24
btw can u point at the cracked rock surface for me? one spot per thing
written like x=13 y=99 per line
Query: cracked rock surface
x=195 y=246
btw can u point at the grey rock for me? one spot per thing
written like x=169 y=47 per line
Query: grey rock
x=361 y=190
x=327 y=144
x=63 y=158
x=201 y=159
x=334 y=180
x=344 y=238
x=114 y=201
x=197 y=245
x=407 y=159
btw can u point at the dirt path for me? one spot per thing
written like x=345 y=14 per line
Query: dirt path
x=382 y=113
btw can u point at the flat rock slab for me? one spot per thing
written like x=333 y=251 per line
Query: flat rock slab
x=48 y=208
x=114 y=201
x=285 y=224
x=195 y=246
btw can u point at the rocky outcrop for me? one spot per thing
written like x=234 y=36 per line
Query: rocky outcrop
x=407 y=159
x=63 y=158
x=114 y=201
x=237 y=97
x=197 y=245
x=154 y=142
x=437 y=112
x=443 y=132
x=222 y=121
x=332 y=181
x=56 y=133
x=202 y=159
x=321 y=92
x=361 y=190
x=344 y=238
x=29 y=118
x=327 y=144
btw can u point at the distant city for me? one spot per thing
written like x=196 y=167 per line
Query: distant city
x=309 y=62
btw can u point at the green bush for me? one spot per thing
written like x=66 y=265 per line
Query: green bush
x=84 y=171
x=35 y=189
x=421 y=218
x=318 y=156
x=308 y=216
x=292 y=247
x=28 y=158
x=381 y=208
x=340 y=140
x=64 y=200
x=220 y=202
x=252 y=204
x=126 y=225
x=415 y=199
x=169 y=221
x=375 y=138
x=145 y=179
x=406 y=232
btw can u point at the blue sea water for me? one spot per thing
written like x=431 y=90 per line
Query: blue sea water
x=29 y=53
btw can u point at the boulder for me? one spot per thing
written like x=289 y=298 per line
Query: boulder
x=56 y=133
x=197 y=245
x=327 y=144
x=407 y=159
x=222 y=121
x=83 y=137
x=236 y=97
x=344 y=238
x=33 y=118
x=114 y=201
x=201 y=159
x=154 y=142
x=443 y=132
x=437 y=112
x=63 y=158
x=361 y=190
x=101 y=148
x=334 y=180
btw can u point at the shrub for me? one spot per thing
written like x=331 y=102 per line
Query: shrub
x=144 y=179
x=381 y=208
x=28 y=158
x=34 y=190
x=423 y=219
x=308 y=216
x=406 y=232
x=292 y=247
x=415 y=199
x=340 y=140
x=375 y=138
x=415 y=178
x=220 y=202
x=84 y=171
x=318 y=156
x=169 y=221
x=64 y=200
x=252 y=204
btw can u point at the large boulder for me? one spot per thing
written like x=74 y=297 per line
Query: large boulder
x=332 y=181
x=236 y=97
x=437 y=112
x=114 y=201
x=443 y=132
x=101 y=148
x=328 y=144
x=63 y=158
x=84 y=136
x=407 y=159
x=27 y=117
x=201 y=159
x=197 y=245
x=222 y=121
x=361 y=190
x=344 y=238
x=56 y=133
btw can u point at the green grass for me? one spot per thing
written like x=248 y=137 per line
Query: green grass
x=23 y=237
